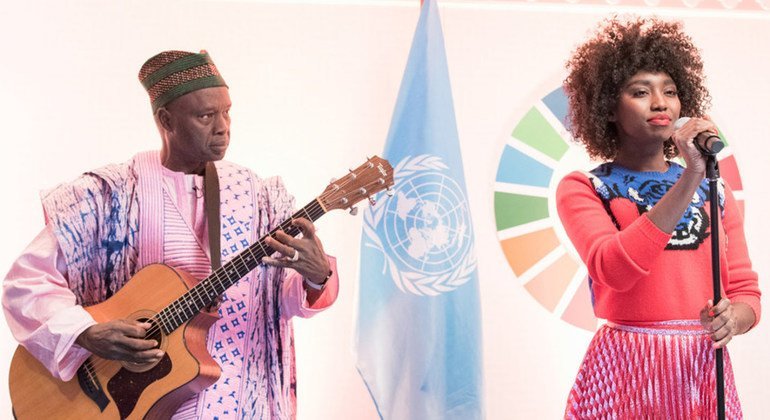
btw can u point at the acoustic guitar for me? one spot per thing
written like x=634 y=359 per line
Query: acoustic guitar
x=113 y=389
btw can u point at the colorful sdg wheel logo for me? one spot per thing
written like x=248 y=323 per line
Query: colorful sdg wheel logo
x=536 y=156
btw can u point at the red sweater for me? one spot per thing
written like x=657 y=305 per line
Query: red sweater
x=638 y=272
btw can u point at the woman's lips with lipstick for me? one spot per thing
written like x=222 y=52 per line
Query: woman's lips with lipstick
x=662 y=120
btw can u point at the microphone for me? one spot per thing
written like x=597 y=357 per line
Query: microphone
x=706 y=142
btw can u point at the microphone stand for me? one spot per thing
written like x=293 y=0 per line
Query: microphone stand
x=712 y=173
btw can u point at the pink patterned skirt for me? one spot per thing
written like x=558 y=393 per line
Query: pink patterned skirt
x=660 y=370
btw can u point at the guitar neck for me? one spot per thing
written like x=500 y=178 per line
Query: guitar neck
x=206 y=292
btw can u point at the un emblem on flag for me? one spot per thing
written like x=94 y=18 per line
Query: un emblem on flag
x=424 y=231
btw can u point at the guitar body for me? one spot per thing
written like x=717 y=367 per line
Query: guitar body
x=131 y=392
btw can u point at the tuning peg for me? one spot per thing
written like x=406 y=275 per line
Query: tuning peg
x=354 y=211
x=362 y=190
x=352 y=174
x=372 y=200
x=389 y=192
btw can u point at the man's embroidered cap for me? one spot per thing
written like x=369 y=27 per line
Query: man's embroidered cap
x=171 y=74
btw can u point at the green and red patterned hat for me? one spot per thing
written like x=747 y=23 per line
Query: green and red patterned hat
x=171 y=74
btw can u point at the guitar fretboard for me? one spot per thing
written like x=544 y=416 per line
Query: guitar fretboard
x=206 y=292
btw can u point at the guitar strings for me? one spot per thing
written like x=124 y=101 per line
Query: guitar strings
x=160 y=320
x=313 y=210
x=239 y=264
x=163 y=318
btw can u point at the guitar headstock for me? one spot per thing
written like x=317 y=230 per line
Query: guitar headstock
x=365 y=181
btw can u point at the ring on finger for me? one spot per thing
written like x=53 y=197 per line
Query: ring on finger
x=294 y=257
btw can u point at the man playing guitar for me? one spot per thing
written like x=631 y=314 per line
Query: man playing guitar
x=105 y=226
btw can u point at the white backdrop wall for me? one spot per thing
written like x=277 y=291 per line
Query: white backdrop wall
x=313 y=85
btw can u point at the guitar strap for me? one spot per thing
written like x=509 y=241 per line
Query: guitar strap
x=211 y=200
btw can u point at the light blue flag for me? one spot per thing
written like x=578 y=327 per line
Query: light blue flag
x=418 y=337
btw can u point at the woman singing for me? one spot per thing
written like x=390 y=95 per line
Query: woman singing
x=641 y=224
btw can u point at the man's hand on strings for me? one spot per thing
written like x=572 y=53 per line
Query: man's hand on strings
x=121 y=339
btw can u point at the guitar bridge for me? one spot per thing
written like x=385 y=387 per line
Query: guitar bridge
x=90 y=385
